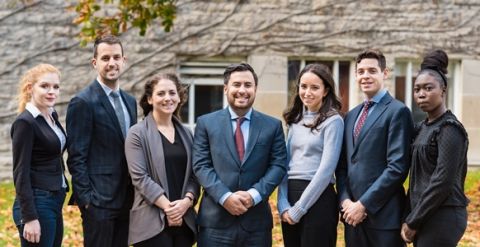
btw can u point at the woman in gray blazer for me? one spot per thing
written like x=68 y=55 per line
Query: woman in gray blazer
x=158 y=151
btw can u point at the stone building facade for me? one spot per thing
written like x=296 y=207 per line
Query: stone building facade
x=277 y=37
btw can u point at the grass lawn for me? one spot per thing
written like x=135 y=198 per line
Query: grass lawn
x=73 y=228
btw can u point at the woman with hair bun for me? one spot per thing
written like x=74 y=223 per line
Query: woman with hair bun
x=436 y=211
x=38 y=142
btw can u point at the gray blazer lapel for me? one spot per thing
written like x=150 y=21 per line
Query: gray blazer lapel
x=255 y=128
x=225 y=124
x=154 y=140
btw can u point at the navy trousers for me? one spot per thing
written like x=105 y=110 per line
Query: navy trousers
x=49 y=209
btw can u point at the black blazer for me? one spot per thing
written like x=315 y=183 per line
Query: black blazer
x=37 y=160
x=96 y=157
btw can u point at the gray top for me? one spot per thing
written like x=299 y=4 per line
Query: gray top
x=312 y=156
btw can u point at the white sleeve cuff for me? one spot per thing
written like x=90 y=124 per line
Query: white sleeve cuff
x=257 y=198
x=224 y=198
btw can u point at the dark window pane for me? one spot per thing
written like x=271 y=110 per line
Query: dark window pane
x=184 y=112
x=344 y=83
x=400 y=88
x=208 y=99
x=293 y=70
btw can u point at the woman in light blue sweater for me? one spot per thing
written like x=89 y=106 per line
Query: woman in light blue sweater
x=307 y=201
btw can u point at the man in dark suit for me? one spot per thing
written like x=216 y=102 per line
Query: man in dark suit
x=98 y=118
x=375 y=160
x=239 y=158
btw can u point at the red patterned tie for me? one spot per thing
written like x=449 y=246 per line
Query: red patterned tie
x=363 y=117
x=239 y=138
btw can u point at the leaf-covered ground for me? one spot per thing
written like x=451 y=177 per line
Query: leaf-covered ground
x=73 y=225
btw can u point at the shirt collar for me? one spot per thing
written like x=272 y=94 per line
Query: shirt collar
x=378 y=96
x=233 y=115
x=35 y=111
x=106 y=88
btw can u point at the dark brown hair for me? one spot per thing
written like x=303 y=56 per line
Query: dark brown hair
x=236 y=68
x=150 y=85
x=109 y=39
x=331 y=105
x=372 y=53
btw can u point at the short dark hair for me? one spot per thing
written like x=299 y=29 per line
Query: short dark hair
x=109 y=39
x=372 y=53
x=148 y=92
x=236 y=68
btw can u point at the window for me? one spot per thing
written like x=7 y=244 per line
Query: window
x=341 y=75
x=204 y=80
x=405 y=73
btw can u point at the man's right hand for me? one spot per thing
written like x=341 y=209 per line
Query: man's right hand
x=234 y=205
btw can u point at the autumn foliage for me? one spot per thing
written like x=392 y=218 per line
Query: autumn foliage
x=120 y=15
x=73 y=223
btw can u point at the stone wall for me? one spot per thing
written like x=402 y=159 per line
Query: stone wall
x=43 y=32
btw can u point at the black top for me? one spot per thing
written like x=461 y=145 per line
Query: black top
x=175 y=165
x=439 y=167
x=37 y=160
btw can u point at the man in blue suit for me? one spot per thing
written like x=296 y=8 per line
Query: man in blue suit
x=375 y=160
x=239 y=158
x=98 y=118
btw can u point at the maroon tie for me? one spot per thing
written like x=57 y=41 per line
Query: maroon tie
x=239 y=138
x=363 y=117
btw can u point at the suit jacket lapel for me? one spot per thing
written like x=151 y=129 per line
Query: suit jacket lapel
x=57 y=122
x=374 y=115
x=130 y=108
x=350 y=126
x=225 y=124
x=103 y=98
x=154 y=140
x=254 y=132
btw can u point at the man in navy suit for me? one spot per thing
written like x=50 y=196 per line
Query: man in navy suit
x=239 y=158
x=375 y=160
x=98 y=118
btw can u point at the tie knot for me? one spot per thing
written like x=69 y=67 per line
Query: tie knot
x=368 y=104
x=114 y=94
x=240 y=120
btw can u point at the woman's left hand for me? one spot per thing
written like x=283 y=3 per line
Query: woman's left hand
x=286 y=218
x=178 y=208
x=408 y=234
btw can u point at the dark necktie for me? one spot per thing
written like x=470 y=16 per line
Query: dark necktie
x=239 y=138
x=363 y=117
x=119 y=112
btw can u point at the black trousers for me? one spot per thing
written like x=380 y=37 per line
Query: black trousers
x=105 y=227
x=318 y=227
x=362 y=236
x=444 y=228
x=170 y=237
